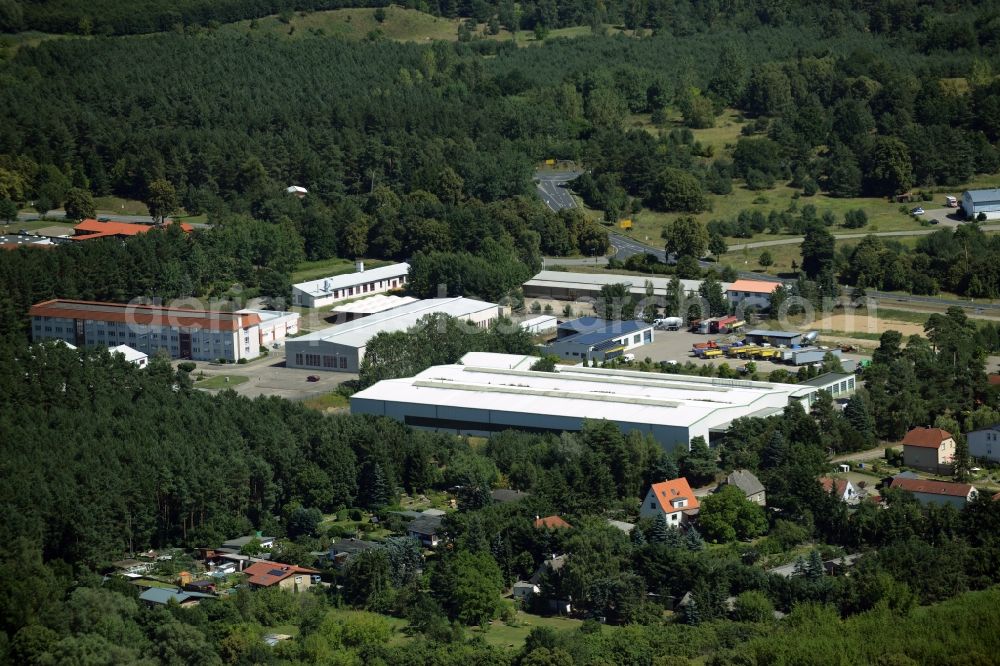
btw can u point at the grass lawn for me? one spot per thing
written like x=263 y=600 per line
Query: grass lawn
x=10 y=43
x=400 y=24
x=151 y=582
x=749 y=260
x=882 y=215
x=288 y=629
x=331 y=401
x=220 y=382
x=313 y=270
x=502 y=635
x=110 y=206
x=721 y=138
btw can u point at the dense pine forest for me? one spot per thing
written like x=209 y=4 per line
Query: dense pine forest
x=133 y=459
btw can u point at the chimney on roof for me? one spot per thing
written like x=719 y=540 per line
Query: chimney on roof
x=359 y=266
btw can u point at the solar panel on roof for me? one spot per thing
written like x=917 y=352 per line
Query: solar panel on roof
x=275 y=572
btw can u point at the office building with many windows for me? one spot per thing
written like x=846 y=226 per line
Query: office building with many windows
x=201 y=335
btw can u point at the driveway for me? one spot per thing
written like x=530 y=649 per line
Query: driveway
x=270 y=377
x=878 y=453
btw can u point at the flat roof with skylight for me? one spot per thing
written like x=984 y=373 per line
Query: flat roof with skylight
x=489 y=393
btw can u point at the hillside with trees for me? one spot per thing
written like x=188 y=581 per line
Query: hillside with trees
x=144 y=460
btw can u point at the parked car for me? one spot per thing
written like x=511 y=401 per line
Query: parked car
x=312 y=378
x=628 y=358
x=917 y=211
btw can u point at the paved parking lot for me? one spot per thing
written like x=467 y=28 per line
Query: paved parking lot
x=269 y=376
x=676 y=346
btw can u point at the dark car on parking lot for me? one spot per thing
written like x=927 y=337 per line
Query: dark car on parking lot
x=312 y=378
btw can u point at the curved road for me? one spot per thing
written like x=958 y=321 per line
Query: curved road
x=552 y=189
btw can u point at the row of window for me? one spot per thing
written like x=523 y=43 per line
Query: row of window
x=332 y=362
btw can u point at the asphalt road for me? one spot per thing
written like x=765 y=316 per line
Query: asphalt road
x=552 y=189
x=799 y=239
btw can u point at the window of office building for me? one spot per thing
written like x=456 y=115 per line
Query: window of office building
x=343 y=362
x=298 y=359
x=328 y=362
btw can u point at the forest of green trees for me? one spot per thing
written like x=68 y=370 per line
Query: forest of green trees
x=426 y=153
x=138 y=458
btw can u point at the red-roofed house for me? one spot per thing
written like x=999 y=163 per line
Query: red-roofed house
x=937 y=492
x=283 y=576
x=842 y=488
x=673 y=499
x=552 y=523
x=929 y=449
x=90 y=229
x=756 y=293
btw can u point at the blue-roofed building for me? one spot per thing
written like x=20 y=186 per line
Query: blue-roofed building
x=975 y=202
x=589 y=339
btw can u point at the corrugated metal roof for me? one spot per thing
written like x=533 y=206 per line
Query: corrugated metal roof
x=325 y=286
x=568 y=280
x=357 y=333
x=577 y=392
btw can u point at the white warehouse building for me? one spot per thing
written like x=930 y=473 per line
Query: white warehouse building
x=323 y=292
x=488 y=393
x=343 y=347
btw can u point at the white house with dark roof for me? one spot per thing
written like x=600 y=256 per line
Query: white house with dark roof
x=751 y=486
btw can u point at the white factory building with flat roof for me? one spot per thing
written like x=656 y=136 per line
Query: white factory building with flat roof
x=323 y=292
x=342 y=347
x=488 y=393
x=564 y=285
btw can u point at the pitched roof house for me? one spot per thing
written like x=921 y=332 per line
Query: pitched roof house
x=673 y=499
x=341 y=550
x=425 y=529
x=842 y=488
x=161 y=596
x=751 y=486
x=90 y=229
x=552 y=523
x=283 y=576
x=929 y=449
x=506 y=495
x=937 y=492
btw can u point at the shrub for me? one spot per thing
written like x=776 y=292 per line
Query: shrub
x=186 y=366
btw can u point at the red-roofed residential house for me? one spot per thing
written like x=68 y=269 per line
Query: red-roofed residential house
x=937 y=492
x=284 y=576
x=755 y=293
x=842 y=488
x=90 y=229
x=673 y=499
x=929 y=449
x=552 y=523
